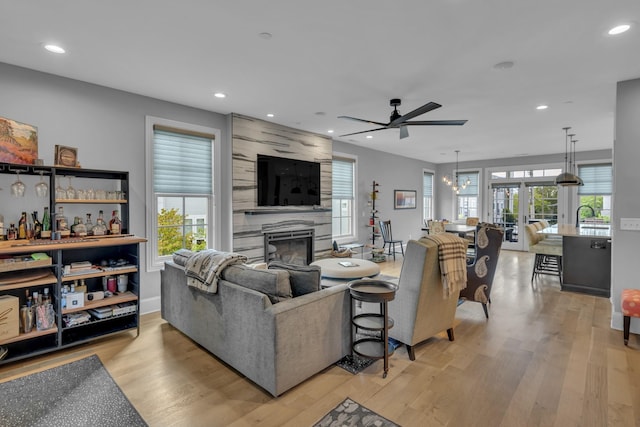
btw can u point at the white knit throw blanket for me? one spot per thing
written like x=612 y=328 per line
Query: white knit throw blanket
x=203 y=268
x=452 y=253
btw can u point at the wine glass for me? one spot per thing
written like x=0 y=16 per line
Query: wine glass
x=42 y=189
x=18 y=187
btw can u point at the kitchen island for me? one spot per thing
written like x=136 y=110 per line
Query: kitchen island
x=586 y=257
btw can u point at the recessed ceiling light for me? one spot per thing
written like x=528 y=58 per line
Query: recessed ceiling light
x=270 y=114
x=369 y=136
x=619 y=29
x=220 y=95
x=542 y=107
x=54 y=48
x=265 y=35
x=330 y=131
x=504 y=65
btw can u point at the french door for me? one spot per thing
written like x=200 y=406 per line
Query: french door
x=516 y=203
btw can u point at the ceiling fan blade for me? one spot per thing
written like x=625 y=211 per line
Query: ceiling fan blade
x=362 y=120
x=429 y=106
x=404 y=132
x=364 y=131
x=436 y=122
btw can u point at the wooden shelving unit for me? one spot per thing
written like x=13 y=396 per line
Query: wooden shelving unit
x=21 y=274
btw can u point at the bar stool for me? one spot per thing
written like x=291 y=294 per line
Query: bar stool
x=548 y=253
x=630 y=308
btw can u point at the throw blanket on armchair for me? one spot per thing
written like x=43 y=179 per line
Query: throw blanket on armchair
x=452 y=253
x=203 y=268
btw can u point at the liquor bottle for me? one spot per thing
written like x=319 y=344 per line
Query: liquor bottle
x=79 y=229
x=12 y=233
x=115 y=225
x=100 y=229
x=37 y=226
x=62 y=225
x=22 y=226
x=89 y=225
x=2 y=233
x=46 y=224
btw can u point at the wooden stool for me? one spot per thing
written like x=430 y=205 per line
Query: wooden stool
x=630 y=308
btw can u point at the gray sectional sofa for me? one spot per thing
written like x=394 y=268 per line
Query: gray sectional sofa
x=274 y=339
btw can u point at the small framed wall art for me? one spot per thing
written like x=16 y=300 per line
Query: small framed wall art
x=18 y=142
x=404 y=199
x=66 y=156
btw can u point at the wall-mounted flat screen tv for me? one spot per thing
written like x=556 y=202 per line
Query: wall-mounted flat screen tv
x=287 y=182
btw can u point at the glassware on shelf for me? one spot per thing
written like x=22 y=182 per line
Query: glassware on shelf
x=91 y=194
x=18 y=187
x=61 y=193
x=42 y=189
x=101 y=195
x=71 y=192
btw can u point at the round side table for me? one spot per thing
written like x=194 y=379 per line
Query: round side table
x=373 y=291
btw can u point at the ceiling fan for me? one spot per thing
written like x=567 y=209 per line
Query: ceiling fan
x=398 y=121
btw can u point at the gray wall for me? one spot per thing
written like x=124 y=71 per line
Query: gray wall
x=626 y=197
x=108 y=128
x=393 y=173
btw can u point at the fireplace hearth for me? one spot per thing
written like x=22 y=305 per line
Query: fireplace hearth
x=291 y=247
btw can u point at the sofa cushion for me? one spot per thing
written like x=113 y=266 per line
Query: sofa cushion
x=273 y=283
x=304 y=278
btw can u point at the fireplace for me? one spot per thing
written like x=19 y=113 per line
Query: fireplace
x=291 y=247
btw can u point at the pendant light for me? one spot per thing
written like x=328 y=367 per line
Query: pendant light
x=454 y=182
x=567 y=178
x=574 y=162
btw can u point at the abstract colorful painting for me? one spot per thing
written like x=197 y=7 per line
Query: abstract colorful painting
x=18 y=142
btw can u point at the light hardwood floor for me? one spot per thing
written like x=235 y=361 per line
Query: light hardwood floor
x=544 y=358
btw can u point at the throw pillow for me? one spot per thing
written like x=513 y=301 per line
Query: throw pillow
x=273 y=283
x=304 y=278
x=181 y=256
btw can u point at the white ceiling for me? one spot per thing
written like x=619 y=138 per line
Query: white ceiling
x=336 y=57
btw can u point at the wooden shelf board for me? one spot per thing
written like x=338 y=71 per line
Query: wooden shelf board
x=93 y=201
x=116 y=299
x=29 y=335
x=89 y=242
x=22 y=282
x=97 y=273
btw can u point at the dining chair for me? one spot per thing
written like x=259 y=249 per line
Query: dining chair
x=387 y=236
x=436 y=227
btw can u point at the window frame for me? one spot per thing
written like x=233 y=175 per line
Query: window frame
x=430 y=215
x=477 y=196
x=579 y=195
x=347 y=238
x=153 y=261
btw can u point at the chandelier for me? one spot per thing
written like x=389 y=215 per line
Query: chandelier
x=454 y=181
x=568 y=178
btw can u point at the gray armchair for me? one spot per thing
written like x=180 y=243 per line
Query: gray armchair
x=420 y=309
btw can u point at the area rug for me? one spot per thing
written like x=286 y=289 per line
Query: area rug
x=352 y=414
x=80 y=393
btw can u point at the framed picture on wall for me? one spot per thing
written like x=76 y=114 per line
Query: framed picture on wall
x=66 y=156
x=18 y=142
x=404 y=199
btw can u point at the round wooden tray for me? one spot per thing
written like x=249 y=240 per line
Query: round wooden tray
x=372 y=290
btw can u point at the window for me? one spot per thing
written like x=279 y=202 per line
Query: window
x=596 y=192
x=343 y=191
x=468 y=197
x=427 y=195
x=181 y=203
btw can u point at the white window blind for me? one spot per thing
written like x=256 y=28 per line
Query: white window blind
x=181 y=163
x=472 y=187
x=427 y=184
x=598 y=179
x=342 y=178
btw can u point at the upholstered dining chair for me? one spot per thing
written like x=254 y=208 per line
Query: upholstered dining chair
x=436 y=227
x=387 y=236
x=483 y=267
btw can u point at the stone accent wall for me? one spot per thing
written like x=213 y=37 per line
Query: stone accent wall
x=252 y=137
